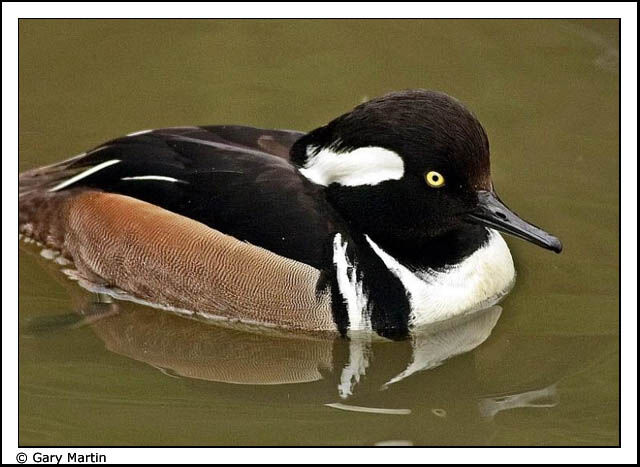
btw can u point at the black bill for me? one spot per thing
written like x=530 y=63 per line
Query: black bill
x=493 y=213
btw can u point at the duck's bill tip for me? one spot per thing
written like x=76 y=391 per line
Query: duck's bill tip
x=556 y=245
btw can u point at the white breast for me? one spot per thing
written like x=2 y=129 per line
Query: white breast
x=477 y=282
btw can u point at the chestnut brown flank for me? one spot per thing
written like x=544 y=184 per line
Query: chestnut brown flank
x=171 y=260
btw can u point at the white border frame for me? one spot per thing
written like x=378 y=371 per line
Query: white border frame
x=627 y=11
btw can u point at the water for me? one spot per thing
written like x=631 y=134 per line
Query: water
x=545 y=367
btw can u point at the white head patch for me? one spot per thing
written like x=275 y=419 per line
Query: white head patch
x=363 y=166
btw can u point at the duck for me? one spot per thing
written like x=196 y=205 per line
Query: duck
x=382 y=221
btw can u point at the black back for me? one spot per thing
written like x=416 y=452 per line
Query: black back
x=235 y=179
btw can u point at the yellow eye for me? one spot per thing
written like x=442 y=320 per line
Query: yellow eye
x=434 y=179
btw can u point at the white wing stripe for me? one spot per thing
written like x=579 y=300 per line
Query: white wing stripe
x=154 y=177
x=141 y=132
x=84 y=174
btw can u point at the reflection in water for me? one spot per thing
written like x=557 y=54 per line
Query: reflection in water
x=394 y=442
x=378 y=410
x=545 y=397
x=431 y=347
x=242 y=354
x=239 y=354
x=201 y=350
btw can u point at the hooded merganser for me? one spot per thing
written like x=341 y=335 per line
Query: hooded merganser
x=385 y=219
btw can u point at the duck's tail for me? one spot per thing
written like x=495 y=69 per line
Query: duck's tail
x=40 y=206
